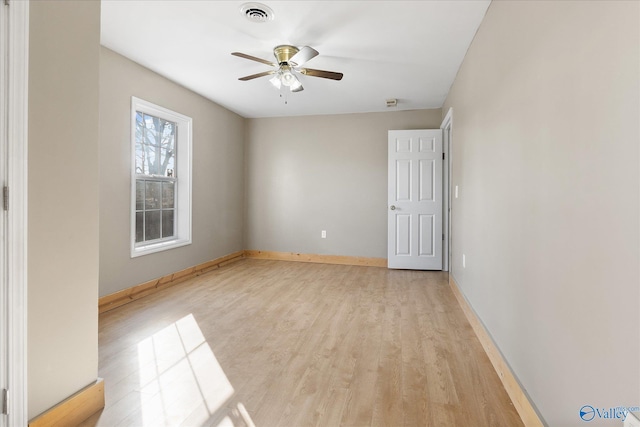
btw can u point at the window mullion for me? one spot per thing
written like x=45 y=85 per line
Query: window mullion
x=144 y=209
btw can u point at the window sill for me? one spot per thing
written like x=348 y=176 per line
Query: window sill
x=158 y=247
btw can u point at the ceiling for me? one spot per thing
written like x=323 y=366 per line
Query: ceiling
x=407 y=50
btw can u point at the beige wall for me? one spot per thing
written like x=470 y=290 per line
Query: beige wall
x=545 y=152
x=313 y=173
x=63 y=200
x=217 y=189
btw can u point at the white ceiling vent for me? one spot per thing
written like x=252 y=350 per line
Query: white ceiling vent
x=257 y=12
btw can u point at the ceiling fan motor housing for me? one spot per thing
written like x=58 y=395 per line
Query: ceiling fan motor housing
x=284 y=53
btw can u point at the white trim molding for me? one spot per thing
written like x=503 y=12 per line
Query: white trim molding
x=446 y=126
x=448 y=119
x=17 y=124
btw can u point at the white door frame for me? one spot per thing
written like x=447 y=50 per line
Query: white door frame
x=447 y=142
x=16 y=179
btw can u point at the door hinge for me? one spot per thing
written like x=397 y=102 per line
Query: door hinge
x=5 y=198
x=442 y=236
x=442 y=156
x=6 y=2
x=5 y=401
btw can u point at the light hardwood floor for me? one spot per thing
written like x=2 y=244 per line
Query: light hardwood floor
x=273 y=343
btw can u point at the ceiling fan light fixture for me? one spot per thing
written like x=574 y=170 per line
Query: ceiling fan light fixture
x=295 y=86
x=275 y=81
x=284 y=77
x=287 y=77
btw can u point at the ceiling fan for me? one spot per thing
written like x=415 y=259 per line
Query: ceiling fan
x=290 y=60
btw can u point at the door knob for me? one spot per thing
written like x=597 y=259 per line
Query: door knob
x=393 y=208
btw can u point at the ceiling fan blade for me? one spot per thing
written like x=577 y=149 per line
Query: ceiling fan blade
x=321 y=73
x=298 y=89
x=255 y=76
x=253 y=58
x=303 y=55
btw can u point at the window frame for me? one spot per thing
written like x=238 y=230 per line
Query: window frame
x=182 y=189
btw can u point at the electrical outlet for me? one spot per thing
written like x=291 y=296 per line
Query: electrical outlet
x=324 y=234
x=464 y=261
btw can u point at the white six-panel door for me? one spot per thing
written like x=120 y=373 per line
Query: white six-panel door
x=415 y=199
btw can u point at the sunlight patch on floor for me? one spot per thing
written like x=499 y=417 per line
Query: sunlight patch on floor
x=181 y=378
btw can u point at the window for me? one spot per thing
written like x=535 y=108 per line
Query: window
x=161 y=181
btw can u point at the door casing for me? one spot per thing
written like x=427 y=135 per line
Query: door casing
x=15 y=20
x=447 y=146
